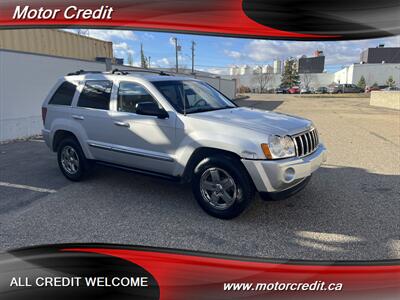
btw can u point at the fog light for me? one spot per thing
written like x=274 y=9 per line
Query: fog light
x=289 y=174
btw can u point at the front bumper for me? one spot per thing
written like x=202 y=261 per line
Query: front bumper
x=283 y=174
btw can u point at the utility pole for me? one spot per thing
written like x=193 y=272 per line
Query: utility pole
x=177 y=48
x=193 y=44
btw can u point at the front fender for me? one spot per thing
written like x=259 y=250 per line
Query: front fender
x=244 y=148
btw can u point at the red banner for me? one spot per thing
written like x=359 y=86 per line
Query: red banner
x=283 y=19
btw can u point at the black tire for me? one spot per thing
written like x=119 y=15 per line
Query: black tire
x=82 y=166
x=242 y=181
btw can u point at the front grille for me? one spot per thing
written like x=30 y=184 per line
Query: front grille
x=306 y=142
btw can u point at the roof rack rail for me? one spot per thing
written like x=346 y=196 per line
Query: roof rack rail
x=139 y=70
x=80 y=72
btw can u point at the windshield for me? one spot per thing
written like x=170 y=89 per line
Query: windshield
x=192 y=96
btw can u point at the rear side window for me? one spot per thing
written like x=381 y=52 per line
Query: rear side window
x=64 y=94
x=130 y=94
x=96 y=94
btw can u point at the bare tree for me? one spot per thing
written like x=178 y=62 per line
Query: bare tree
x=307 y=79
x=261 y=80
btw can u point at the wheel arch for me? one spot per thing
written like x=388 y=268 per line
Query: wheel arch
x=60 y=135
x=201 y=153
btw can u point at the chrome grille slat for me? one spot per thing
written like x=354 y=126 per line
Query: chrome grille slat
x=310 y=147
x=306 y=148
x=310 y=134
x=302 y=147
x=296 y=147
x=314 y=139
x=306 y=142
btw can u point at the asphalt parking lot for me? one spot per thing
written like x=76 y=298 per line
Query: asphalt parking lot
x=349 y=211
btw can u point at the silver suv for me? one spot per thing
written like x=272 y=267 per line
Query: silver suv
x=182 y=129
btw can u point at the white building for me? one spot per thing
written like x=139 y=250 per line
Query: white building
x=373 y=73
x=277 y=66
x=245 y=70
x=263 y=69
x=234 y=71
x=268 y=69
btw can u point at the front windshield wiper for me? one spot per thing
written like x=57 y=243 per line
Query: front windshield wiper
x=205 y=109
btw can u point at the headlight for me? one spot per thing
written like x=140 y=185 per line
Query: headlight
x=279 y=147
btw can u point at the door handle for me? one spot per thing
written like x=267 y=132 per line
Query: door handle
x=122 y=124
x=78 y=117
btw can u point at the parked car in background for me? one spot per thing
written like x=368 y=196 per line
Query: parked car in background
x=294 y=90
x=321 y=90
x=344 y=88
x=393 y=88
x=281 y=90
x=180 y=129
x=305 y=90
x=369 y=89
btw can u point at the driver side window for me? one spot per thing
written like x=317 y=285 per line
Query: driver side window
x=130 y=94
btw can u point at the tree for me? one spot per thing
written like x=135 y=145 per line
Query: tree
x=390 y=82
x=290 y=76
x=361 y=83
x=307 y=79
x=262 y=79
x=143 y=58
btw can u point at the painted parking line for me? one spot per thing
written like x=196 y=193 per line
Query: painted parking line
x=26 y=187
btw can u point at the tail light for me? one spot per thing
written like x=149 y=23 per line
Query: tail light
x=44 y=113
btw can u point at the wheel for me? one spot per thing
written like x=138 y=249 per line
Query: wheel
x=71 y=160
x=222 y=186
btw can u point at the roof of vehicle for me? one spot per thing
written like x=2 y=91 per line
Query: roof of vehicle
x=147 y=75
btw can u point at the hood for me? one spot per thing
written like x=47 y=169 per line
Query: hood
x=258 y=120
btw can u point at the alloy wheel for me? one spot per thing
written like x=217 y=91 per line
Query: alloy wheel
x=70 y=160
x=219 y=188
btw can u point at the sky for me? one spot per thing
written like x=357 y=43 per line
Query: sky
x=217 y=54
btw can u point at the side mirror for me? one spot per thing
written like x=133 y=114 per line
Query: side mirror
x=150 y=109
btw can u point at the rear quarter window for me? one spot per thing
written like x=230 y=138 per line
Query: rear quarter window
x=64 y=94
x=96 y=94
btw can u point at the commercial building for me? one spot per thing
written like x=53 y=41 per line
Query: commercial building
x=56 y=43
x=380 y=54
x=314 y=64
x=372 y=73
